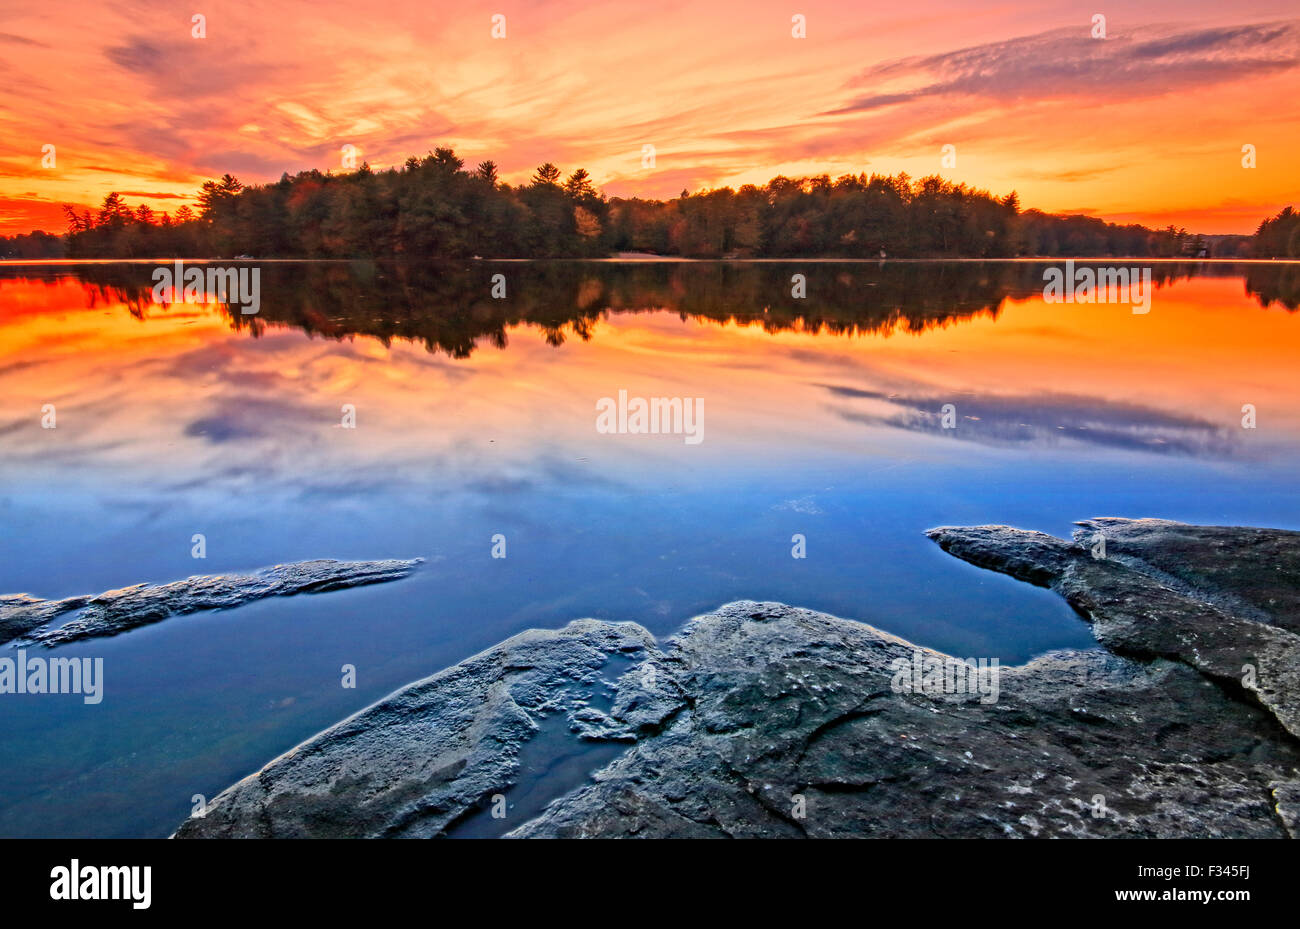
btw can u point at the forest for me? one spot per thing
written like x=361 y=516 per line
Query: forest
x=1279 y=236
x=436 y=207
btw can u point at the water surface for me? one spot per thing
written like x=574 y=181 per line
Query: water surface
x=476 y=416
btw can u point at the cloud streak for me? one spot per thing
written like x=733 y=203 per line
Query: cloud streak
x=1131 y=126
x=1069 y=63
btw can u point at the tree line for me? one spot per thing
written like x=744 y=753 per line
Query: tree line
x=437 y=207
x=36 y=244
x=1279 y=236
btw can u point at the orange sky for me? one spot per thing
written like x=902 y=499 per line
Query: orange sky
x=1146 y=125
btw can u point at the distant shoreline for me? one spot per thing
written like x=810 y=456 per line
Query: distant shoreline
x=658 y=259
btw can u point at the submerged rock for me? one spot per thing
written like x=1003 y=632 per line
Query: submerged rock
x=1224 y=600
x=765 y=720
x=29 y=618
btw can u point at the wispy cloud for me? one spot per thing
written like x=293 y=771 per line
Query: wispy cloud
x=726 y=96
x=1068 y=62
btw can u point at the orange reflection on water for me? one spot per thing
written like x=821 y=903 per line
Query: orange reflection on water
x=174 y=390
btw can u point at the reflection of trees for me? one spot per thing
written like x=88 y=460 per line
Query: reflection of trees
x=1269 y=283
x=449 y=308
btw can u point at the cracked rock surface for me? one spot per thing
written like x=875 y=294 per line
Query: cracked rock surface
x=792 y=712
x=31 y=619
x=765 y=720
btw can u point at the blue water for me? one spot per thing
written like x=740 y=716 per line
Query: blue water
x=158 y=443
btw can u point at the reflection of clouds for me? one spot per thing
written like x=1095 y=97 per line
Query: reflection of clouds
x=361 y=483
x=561 y=471
x=54 y=453
x=548 y=471
x=237 y=416
x=83 y=429
x=15 y=366
x=1043 y=419
x=206 y=416
x=244 y=416
x=496 y=485
x=806 y=505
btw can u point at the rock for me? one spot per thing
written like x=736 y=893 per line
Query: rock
x=26 y=617
x=1224 y=600
x=430 y=755
x=794 y=729
x=766 y=720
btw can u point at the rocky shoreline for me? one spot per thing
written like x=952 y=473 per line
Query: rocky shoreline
x=1223 y=600
x=765 y=720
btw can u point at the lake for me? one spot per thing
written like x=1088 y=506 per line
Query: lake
x=372 y=410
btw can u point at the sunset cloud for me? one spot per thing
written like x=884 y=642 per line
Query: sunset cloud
x=1147 y=123
x=1067 y=62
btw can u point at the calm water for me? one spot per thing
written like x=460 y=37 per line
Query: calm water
x=476 y=416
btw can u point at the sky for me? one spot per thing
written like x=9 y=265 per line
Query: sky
x=1144 y=125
